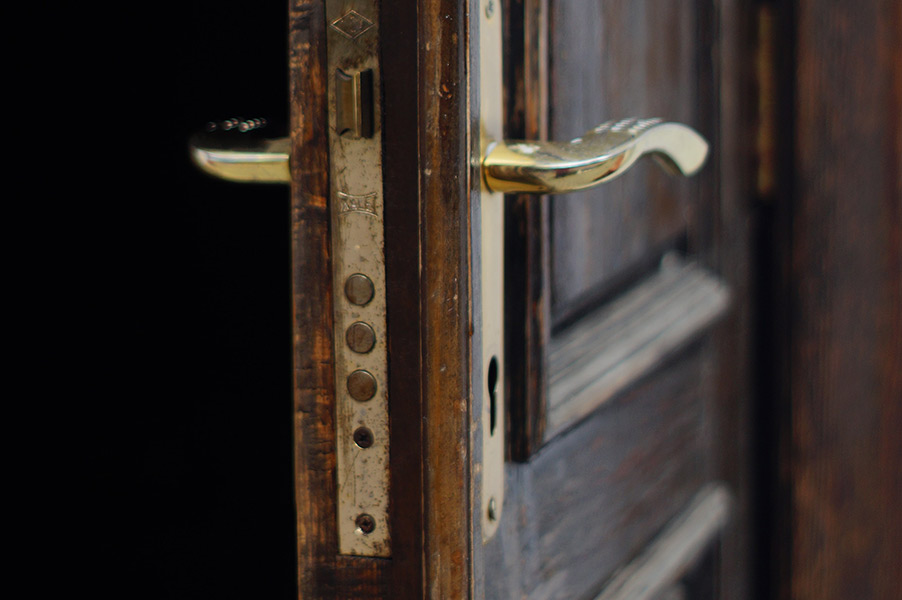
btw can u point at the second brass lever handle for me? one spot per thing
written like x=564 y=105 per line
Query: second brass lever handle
x=237 y=150
x=598 y=156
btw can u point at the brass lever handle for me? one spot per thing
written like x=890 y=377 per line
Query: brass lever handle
x=235 y=150
x=598 y=156
x=509 y=166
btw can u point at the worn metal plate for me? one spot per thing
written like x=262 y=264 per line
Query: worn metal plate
x=492 y=275
x=355 y=145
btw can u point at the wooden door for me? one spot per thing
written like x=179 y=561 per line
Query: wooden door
x=701 y=374
x=628 y=315
x=626 y=310
x=832 y=383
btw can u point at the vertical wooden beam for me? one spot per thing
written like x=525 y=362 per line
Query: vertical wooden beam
x=403 y=293
x=846 y=301
x=728 y=29
x=527 y=297
x=446 y=180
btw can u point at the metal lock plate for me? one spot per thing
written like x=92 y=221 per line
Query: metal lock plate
x=362 y=434
x=492 y=418
x=358 y=259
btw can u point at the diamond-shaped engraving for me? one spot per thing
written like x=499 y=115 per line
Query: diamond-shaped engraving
x=352 y=24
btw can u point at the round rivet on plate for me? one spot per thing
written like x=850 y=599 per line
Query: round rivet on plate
x=360 y=337
x=361 y=385
x=359 y=289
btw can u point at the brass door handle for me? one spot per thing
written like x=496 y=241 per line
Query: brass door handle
x=236 y=150
x=511 y=166
x=598 y=156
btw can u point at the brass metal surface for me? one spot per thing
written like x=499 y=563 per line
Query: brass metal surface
x=264 y=161
x=354 y=103
x=600 y=155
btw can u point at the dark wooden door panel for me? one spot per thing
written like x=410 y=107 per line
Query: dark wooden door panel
x=590 y=500
x=631 y=413
x=605 y=60
x=839 y=309
x=625 y=339
x=609 y=61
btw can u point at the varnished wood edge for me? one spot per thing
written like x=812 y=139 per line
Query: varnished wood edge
x=401 y=176
x=726 y=30
x=527 y=317
x=446 y=183
x=773 y=415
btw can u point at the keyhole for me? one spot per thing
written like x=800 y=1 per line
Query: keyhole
x=493 y=401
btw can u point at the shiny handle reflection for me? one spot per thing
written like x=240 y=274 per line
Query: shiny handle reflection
x=266 y=162
x=235 y=150
x=598 y=156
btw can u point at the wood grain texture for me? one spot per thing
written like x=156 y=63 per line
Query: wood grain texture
x=846 y=302
x=446 y=183
x=526 y=261
x=706 y=48
x=589 y=501
x=628 y=338
x=611 y=60
x=724 y=244
x=674 y=551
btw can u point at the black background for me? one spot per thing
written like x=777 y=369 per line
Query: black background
x=161 y=302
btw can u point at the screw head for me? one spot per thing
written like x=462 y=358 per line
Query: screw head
x=365 y=524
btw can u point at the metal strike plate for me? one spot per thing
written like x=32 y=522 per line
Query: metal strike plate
x=358 y=259
x=492 y=275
